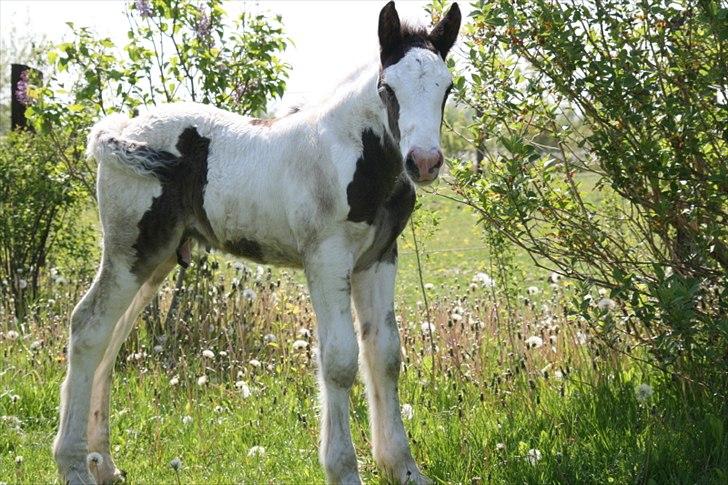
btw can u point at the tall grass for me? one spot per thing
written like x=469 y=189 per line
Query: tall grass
x=532 y=395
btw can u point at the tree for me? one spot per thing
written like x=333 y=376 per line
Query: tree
x=611 y=157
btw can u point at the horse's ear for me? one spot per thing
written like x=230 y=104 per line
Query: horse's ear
x=390 y=30
x=443 y=34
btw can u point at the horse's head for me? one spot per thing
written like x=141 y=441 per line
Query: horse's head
x=414 y=84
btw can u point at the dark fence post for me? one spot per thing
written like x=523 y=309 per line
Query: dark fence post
x=17 y=107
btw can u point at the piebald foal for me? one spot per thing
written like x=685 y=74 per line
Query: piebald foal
x=328 y=188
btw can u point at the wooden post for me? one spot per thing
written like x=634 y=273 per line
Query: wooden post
x=17 y=109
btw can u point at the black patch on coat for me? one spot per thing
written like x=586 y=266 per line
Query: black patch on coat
x=391 y=220
x=178 y=212
x=376 y=172
x=245 y=248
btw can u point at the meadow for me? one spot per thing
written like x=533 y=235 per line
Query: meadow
x=493 y=389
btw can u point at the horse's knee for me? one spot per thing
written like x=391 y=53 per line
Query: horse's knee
x=339 y=363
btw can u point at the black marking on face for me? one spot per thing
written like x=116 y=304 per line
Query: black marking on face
x=376 y=172
x=389 y=98
x=444 y=101
x=245 y=248
x=179 y=209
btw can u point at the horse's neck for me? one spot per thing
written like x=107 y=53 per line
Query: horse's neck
x=355 y=106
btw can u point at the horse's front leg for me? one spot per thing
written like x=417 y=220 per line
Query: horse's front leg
x=373 y=292
x=328 y=270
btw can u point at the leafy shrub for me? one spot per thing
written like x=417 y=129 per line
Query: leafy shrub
x=608 y=159
x=40 y=208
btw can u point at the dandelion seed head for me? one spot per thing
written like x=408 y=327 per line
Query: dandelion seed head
x=94 y=458
x=176 y=464
x=19 y=460
x=186 y=420
x=300 y=345
x=500 y=446
x=427 y=328
x=208 y=354
x=408 y=412
x=174 y=381
x=606 y=304
x=255 y=363
x=202 y=380
x=484 y=279
x=533 y=290
x=533 y=456
x=644 y=392
x=534 y=342
x=12 y=335
x=249 y=294
x=429 y=286
x=256 y=451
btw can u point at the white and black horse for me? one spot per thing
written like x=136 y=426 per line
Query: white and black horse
x=328 y=188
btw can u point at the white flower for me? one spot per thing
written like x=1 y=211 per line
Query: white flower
x=202 y=380
x=12 y=335
x=607 y=304
x=249 y=294
x=534 y=342
x=300 y=345
x=19 y=460
x=484 y=279
x=581 y=338
x=174 y=381
x=408 y=412
x=643 y=392
x=429 y=286
x=94 y=458
x=427 y=328
x=158 y=349
x=208 y=353
x=456 y=317
x=187 y=420
x=255 y=363
x=222 y=353
x=257 y=451
x=37 y=344
x=268 y=338
x=244 y=389
x=533 y=456
x=500 y=446
x=22 y=284
x=219 y=409
x=176 y=464
x=532 y=290
x=303 y=332
x=554 y=278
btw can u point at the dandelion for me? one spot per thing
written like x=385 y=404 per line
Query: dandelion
x=300 y=345
x=554 y=278
x=94 y=458
x=269 y=338
x=219 y=409
x=202 y=380
x=12 y=335
x=157 y=349
x=174 y=381
x=143 y=7
x=484 y=279
x=19 y=460
x=208 y=354
x=500 y=446
x=22 y=284
x=581 y=338
x=303 y=332
x=644 y=392
x=533 y=456
x=534 y=342
x=408 y=412
x=187 y=420
x=14 y=398
x=456 y=317
x=427 y=328
x=606 y=304
x=429 y=286
x=249 y=294
x=532 y=290
x=244 y=389
x=36 y=345
x=256 y=451
x=255 y=363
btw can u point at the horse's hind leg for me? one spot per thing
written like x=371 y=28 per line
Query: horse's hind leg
x=98 y=420
x=92 y=324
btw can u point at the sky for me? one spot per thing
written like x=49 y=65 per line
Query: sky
x=331 y=38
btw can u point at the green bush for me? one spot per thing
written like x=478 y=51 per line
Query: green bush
x=607 y=160
x=40 y=212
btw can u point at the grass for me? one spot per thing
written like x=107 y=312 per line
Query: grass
x=487 y=407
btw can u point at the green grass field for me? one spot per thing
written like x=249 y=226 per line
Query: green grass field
x=487 y=408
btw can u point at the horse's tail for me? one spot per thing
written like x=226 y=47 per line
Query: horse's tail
x=106 y=145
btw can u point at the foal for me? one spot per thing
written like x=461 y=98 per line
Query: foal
x=328 y=189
